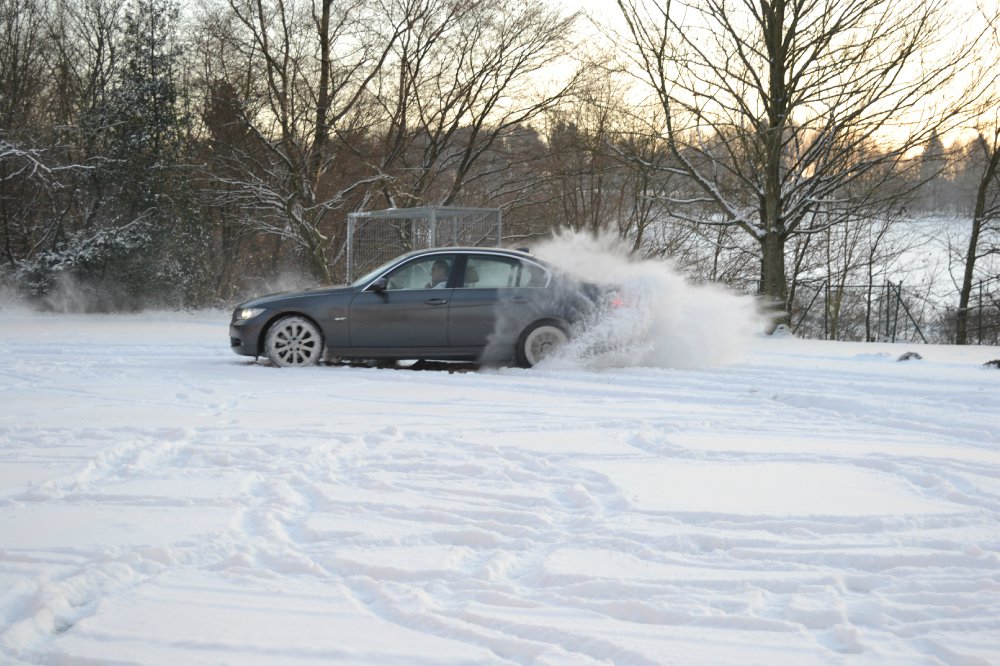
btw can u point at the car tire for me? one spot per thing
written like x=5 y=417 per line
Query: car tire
x=293 y=342
x=538 y=341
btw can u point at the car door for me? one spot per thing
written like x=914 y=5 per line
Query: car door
x=493 y=300
x=411 y=312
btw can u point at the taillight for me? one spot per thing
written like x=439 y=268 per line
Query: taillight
x=615 y=299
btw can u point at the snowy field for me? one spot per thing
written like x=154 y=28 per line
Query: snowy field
x=163 y=501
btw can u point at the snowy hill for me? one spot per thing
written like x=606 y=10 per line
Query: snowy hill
x=163 y=501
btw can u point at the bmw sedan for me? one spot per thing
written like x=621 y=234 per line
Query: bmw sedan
x=462 y=304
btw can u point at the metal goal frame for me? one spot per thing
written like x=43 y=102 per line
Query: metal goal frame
x=375 y=237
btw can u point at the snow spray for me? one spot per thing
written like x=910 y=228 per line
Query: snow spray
x=659 y=319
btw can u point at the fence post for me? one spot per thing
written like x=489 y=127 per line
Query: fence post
x=979 y=327
x=895 y=311
x=868 y=310
x=351 y=217
x=826 y=310
x=885 y=303
x=906 y=320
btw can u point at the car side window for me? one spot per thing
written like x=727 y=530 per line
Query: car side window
x=482 y=272
x=487 y=272
x=427 y=273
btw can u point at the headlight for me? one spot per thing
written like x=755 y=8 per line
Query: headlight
x=248 y=313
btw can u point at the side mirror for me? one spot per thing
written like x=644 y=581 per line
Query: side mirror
x=379 y=285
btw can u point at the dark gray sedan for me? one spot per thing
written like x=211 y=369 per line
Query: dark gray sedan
x=463 y=304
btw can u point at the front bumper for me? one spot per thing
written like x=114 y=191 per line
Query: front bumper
x=244 y=335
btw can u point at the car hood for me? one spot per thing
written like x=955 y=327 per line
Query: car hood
x=282 y=298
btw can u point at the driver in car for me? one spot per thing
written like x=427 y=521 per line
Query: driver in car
x=439 y=275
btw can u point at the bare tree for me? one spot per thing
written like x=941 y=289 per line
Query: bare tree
x=349 y=103
x=985 y=223
x=301 y=72
x=462 y=80
x=25 y=181
x=23 y=45
x=986 y=165
x=87 y=36
x=768 y=103
x=23 y=28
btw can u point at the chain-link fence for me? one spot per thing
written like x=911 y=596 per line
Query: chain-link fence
x=375 y=237
x=983 y=321
x=892 y=312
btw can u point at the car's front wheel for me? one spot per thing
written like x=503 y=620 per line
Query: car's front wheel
x=293 y=342
x=538 y=341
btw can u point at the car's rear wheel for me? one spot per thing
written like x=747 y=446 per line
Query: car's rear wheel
x=538 y=341
x=293 y=342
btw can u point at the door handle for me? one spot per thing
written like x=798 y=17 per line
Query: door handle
x=519 y=299
x=436 y=301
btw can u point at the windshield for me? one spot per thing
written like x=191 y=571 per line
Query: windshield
x=371 y=275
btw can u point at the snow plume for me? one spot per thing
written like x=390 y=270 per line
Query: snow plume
x=659 y=318
x=70 y=295
x=11 y=301
x=62 y=294
x=285 y=281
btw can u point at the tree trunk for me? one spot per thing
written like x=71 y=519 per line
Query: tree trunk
x=322 y=131
x=962 y=316
x=321 y=266
x=772 y=275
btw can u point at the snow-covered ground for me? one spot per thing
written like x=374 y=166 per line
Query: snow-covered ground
x=163 y=501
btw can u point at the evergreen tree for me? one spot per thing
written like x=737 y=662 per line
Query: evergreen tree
x=148 y=125
x=932 y=179
x=143 y=246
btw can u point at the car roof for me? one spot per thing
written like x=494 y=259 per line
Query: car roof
x=471 y=249
x=520 y=253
